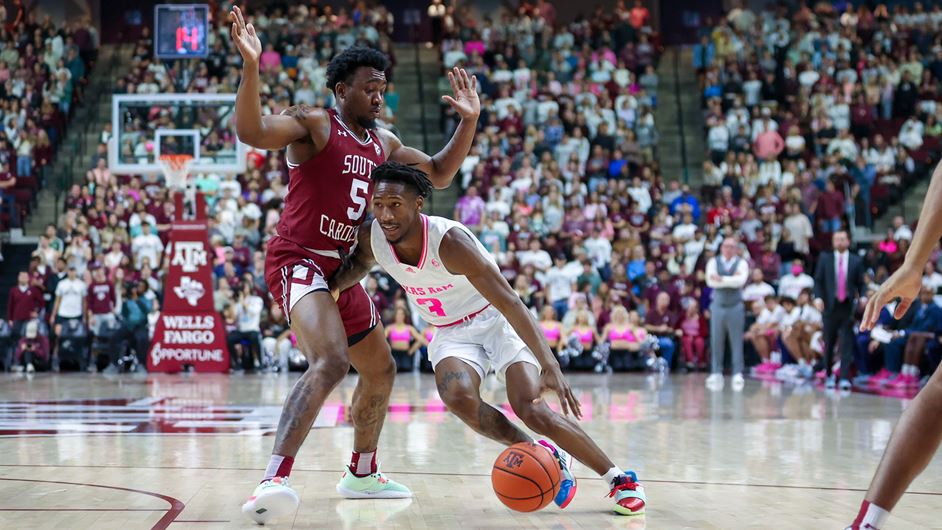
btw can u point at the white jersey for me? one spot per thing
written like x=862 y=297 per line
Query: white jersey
x=443 y=298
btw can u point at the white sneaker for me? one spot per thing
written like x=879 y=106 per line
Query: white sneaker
x=272 y=498
x=738 y=383
x=715 y=382
x=30 y=368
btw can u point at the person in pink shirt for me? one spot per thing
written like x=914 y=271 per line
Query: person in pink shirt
x=768 y=145
x=270 y=59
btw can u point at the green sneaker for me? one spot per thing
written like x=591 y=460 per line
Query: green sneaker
x=374 y=486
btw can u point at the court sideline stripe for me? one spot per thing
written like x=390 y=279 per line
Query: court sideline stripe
x=176 y=505
x=449 y=474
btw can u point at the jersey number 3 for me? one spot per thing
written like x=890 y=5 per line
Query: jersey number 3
x=358 y=192
x=434 y=305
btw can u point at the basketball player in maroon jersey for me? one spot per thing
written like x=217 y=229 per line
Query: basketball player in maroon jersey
x=917 y=435
x=330 y=154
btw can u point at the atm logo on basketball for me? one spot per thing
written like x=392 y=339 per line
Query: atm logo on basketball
x=513 y=460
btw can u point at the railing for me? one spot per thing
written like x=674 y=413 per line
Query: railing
x=680 y=116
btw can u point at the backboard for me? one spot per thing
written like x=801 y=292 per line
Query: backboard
x=146 y=126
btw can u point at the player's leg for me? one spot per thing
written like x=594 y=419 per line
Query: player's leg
x=316 y=323
x=459 y=386
x=831 y=330
x=523 y=392
x=370 y=355
x=846 y=343
x=717 y=347
x=911 y=447
x=912 y=355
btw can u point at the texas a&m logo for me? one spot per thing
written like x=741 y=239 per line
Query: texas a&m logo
x=513 y=460
x=188 y=254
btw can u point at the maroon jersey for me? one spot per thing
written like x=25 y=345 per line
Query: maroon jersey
x=328 y=195
x=101 y=298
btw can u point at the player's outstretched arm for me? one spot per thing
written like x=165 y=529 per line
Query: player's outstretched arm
x=461 y=256
x=268 y=132
x=442 y=167
x=358 y=265
x=906 y=281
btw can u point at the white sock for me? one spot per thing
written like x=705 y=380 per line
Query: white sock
x=802 y=362
x=611 y=475
x=875 y=516
x=907 y=369
x=365 y=464
x=915 y=371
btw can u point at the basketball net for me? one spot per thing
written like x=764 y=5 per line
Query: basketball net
x=176 y=169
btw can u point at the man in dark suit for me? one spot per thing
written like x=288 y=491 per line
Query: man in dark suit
x=838 y=282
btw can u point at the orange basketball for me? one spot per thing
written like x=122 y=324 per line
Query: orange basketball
x=526 y=477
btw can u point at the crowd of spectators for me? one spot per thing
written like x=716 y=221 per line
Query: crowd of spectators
x=817 y=121
x=563 y=185
x=105 y=256
x=43 y=70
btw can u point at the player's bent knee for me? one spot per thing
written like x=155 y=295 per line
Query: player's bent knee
x=462 y=403
x=332 y=367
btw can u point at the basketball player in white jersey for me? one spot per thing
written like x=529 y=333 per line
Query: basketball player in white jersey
x=482 y=325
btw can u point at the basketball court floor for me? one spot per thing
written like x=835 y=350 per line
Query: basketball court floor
x=178 y=451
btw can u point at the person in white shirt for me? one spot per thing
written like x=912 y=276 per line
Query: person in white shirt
x=798 y=337
x=757 y=289
x=684 y=230
x=799 y=228
x=560 y=283
x=248 y=311
x=726 y=274
x=71 y=305
x=901 y=230
x=536 y=256
x=718 y=140
x=932 y=280
x=792 y=284
x=599 y=250
x=70 y=301
x=763 y=334
x=146 y=245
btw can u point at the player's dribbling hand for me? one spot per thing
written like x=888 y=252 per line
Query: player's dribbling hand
x=465 y=102
x=244 y=36
x=554 y=380
x=903 y=284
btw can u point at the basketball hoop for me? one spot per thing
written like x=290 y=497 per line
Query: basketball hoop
x=175 y=169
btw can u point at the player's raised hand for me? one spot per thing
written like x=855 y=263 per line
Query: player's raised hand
x=465 y=88
x=903 y=284
x=554 y=380
x=244 y=36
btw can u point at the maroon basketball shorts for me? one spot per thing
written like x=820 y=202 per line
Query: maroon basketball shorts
x=292 y=271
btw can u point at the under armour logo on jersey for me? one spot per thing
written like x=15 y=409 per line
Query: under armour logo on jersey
x=435 y=263
x=410 y=269
x=342 y=133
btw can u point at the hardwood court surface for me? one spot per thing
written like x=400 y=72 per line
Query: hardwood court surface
x=158 y=451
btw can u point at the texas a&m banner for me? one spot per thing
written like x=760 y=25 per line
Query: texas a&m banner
x=189 y=331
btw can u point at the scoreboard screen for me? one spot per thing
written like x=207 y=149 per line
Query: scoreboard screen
x=180 y=31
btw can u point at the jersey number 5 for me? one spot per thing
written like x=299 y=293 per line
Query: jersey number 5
x=358 y=191
x=434 y=305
